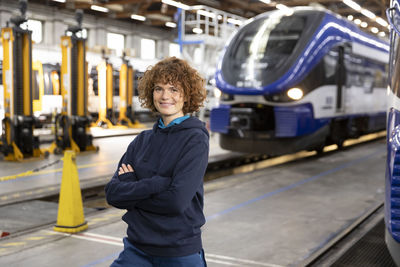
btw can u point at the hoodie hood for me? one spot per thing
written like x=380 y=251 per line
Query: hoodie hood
x=165 y=134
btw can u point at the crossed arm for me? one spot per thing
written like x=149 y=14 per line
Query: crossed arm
x=124 y=190
x=158 y=194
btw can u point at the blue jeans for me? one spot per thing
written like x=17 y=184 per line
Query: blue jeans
x=133 y=257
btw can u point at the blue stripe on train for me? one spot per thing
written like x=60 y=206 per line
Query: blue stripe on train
x=219 y=119
x=296 y=121
x=292 y=121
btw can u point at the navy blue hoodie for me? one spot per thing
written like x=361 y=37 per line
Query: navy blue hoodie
x=164 y=196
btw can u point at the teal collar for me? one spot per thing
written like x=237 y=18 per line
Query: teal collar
x=174 y=122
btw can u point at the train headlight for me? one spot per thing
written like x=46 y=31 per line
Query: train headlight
x=295 y=93
x=217 y=93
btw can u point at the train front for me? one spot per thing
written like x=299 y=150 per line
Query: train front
x=258 y=110
x=392 y=179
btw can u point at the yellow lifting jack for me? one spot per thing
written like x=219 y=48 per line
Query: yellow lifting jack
x=126 y=116
x=18 y=140
x=72 y=124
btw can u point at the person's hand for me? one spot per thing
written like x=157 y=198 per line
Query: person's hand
x=125 y=168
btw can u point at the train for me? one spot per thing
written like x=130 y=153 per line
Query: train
x=392 y=175
x=299 y=79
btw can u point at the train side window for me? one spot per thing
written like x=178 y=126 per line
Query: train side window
x=330 y=64
x=368 y=82
x=395 y=67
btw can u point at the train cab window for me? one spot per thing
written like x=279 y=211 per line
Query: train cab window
x=270 y=41
x=35 y=85
x=48 y=85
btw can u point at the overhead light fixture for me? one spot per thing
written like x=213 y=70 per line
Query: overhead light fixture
x=138 y=17
x=350 y=17
x=352 y=4
x=364 y=24
x=357 y=21
x=197 y=30
x=266 y=1
x=170 y=24
x=175 y=4
x=374 y=30
x=206 y=13
x=382 y=22
x=60 y=1
x=368 y=14
x=234 y=21
x=382 y=34
x=99 y=8
x=284 y=8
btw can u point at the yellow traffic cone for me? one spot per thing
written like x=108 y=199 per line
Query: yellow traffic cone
x=70 y=217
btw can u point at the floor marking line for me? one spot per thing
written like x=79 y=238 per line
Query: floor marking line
x=120 y=244
x=31 y=173
x=105 y=237
x=242 y=260
x=222 y=262
x=116 y=241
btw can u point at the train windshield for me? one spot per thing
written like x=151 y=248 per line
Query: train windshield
x=269 y=42
x=264 y=49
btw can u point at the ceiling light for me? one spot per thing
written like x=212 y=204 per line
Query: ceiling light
x=60 y=1
x=352 y=4
x=364 y=24
x=197 y=30
x=357 y=21
x=206 y=13
x=368 y=14
x=138 y=17
x=99 y=8
x=175 y=4
x=382 y=34
x=350 y=17
x=266 y=1
x=284 y=8
x=234 y=21
x=170 y=24
x=374 y=30
x=382 y=22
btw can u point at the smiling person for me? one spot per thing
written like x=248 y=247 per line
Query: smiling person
x=159 y=179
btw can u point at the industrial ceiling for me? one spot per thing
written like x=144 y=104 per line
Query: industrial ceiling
x=157 y=12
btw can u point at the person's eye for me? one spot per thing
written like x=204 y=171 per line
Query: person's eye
x=157 y=89
x=174 y=90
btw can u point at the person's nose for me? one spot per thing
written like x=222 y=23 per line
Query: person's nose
x=165 y=94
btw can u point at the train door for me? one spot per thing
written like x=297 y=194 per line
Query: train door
x=340 y=80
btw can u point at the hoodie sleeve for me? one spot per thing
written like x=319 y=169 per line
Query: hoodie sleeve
x=188 y=176
x=123 y=191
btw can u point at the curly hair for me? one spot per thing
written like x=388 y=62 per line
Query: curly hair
x=178 y=73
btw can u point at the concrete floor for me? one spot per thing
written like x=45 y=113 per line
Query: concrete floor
x=94 y=168
x=272 y=217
